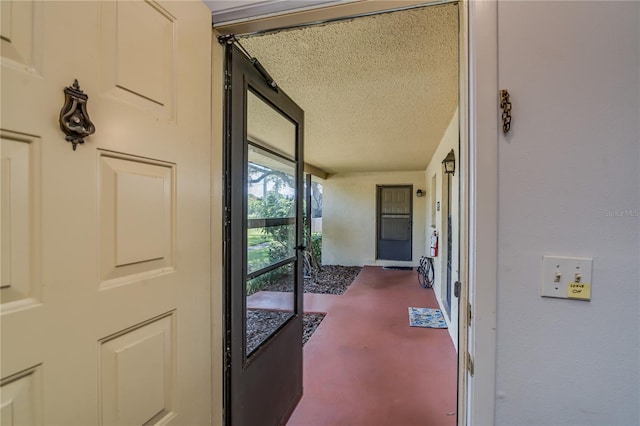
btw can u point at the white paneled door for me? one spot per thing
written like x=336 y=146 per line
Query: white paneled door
x=105 y=292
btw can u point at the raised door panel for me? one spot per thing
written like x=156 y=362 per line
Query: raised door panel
x=21 y=398
x=138 y=65
x=20 y=174
x=137 y=374
x=137 y=218
x=20 y=34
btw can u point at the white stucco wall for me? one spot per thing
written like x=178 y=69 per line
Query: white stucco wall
x=449 y=141
x=349 y=217
x=569 y=185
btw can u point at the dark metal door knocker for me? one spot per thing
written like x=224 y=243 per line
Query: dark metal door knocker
x=74 y=118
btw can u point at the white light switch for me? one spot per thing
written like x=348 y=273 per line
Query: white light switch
x=566 y=277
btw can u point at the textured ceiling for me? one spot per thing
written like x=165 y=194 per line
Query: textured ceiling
x=378 y=92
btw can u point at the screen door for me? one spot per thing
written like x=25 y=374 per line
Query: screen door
x=395 y=221
x=264 y=199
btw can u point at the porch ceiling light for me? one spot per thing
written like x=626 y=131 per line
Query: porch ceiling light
x=449 y=163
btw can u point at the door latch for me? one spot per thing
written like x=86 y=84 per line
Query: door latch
x=470 y=365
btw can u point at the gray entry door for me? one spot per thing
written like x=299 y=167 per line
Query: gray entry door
x=395 y=222
x=263 y=243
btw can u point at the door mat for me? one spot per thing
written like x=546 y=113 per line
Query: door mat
x=399 y=268
x=426 y=317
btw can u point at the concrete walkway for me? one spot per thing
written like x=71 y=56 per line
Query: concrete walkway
x=365 y=366
x=281 y=301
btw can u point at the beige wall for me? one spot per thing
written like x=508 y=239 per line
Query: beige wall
x=349 y=217
x=568 y=185
x=439 y=220
x=217 y=203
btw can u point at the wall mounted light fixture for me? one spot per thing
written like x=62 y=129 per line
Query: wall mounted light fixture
x=449 y=163
x=419 y=193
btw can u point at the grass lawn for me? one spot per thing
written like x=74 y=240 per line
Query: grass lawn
x=255 y=237
x=257 y=257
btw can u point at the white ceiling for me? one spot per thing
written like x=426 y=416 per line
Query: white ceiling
x=378 y=92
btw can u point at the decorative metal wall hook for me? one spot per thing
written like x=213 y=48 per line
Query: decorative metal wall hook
x=74 y=118
x=505 y=104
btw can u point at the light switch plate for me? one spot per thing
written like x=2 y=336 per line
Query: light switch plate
x=566 y=277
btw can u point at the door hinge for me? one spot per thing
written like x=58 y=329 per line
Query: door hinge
x=228 y=363
x=226 y=38
x=227 y=80
x=470 y=367
x=227 y=351
x=227 y=216
x=469 y=314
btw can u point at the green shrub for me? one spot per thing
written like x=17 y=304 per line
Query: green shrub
x=316 y=247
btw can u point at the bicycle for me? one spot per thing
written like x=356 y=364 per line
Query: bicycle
x=426 y=276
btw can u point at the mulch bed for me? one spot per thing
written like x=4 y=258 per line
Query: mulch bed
x=332 y=279
x=309 y=324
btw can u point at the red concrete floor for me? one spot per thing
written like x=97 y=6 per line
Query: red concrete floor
x=365 y=366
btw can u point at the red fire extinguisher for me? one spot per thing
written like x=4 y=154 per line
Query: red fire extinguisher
x=433 y=251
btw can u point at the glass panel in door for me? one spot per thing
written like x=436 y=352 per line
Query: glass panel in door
x=271 y=241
